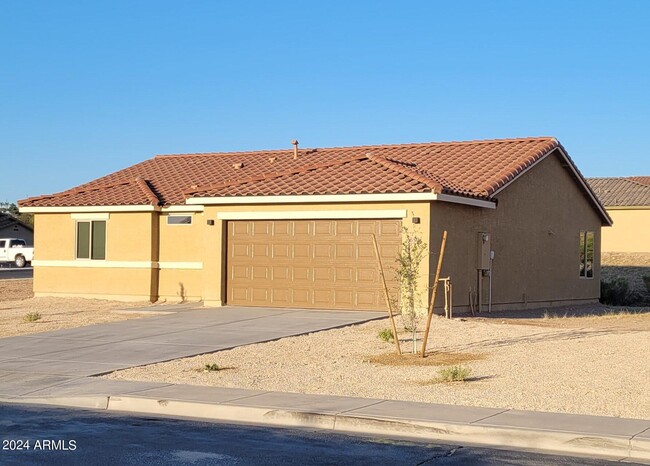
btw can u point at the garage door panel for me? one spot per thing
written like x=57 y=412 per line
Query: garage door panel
x=301 y=275
x=281 y=251
x=303 y=229
x=282 y=228
x=302 y=251
x=261 y=272
x=344 y=251
x=310 y=263
x=282 y=273
x=323 y=251
x=281 y=296
x=323 y=274
x=262 y=228
x=301 y=297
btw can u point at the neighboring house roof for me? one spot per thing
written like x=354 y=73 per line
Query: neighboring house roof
x=8 y=220
x=619 y=192
x=476 y=169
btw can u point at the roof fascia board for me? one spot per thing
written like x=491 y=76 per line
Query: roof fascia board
x=627 y=207
x=577 y=176
x=339 y=198
x=89 y=209
x=467 y=201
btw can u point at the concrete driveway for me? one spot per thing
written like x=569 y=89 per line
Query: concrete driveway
x=33 y=362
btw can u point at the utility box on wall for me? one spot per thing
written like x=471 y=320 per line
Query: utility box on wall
x=484 y=251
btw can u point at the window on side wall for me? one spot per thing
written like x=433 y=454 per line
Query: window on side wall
x=587 y=254
x=91 y=239
x=179 y=220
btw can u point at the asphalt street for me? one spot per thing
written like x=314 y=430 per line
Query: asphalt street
x=8 y=271
x=58 y=436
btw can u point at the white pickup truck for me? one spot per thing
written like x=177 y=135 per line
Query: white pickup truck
x=15 y=250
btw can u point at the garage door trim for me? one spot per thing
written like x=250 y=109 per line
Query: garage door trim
x=313 y=214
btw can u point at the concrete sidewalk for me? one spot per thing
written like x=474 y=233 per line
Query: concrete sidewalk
x=615 y=438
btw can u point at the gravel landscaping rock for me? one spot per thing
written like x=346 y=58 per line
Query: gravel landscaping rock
x=56 y=313
x=598 y=365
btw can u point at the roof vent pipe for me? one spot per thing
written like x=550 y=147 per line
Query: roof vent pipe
x=295 y=149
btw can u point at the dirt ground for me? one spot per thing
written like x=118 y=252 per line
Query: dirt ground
x=594 y=361
x=16 y=300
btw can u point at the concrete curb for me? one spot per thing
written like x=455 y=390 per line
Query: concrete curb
x=552 y=441
x=632 y=448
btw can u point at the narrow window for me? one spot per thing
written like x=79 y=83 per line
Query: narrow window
x=179 y=220
x=587 y=254
x=91 y=240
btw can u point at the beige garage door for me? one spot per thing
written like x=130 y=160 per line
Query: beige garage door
x=322 y=264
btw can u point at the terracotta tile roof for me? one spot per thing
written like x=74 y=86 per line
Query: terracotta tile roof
x=627 y=192
x=640 y=179
x=474 y=168
x=128 y=192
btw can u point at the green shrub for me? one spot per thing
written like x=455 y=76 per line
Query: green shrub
x=211 y=368
x=32 y=317
x=646 y=280
x=615 y=292
x=454 y=374
x=386 y=335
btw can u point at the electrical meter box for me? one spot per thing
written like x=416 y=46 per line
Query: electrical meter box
x=484 y=251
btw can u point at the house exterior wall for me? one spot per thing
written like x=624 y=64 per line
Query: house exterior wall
x=630 y=232
x=535 y=236
x=147 y=259
x=126 y=274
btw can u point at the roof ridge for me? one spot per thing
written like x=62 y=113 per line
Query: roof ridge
x=273 y=175
x=394 y=165
x=144 y=187
x=370 y=146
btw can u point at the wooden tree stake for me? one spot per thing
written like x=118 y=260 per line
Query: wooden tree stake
x=386 y=296
x=433 y=293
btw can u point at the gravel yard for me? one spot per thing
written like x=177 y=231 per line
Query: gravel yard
x=16 y=300
x=595 y=364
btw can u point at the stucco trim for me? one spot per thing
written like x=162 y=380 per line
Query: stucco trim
x=182 y=209
x=96 y=264
x=308 y=214
x=102 y=208
x=339 y=198
x=118 y=264
x=630 y=207
x=91 y=216
x=181 y=265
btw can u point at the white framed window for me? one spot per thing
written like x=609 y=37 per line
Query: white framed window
x=179 y=220
x=586 y=254
x=91 y=239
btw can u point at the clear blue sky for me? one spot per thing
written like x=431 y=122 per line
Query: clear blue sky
x=87 y=88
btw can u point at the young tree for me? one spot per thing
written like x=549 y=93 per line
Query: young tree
x=412 y=253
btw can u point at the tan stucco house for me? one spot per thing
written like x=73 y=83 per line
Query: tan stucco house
x=292 y=228
x=627 y=201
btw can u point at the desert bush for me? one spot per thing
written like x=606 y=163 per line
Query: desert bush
x=614 y=292
x=646 y=281
x=386 y=335
x=454 y=373
x=211 y=368
x=32 y=317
